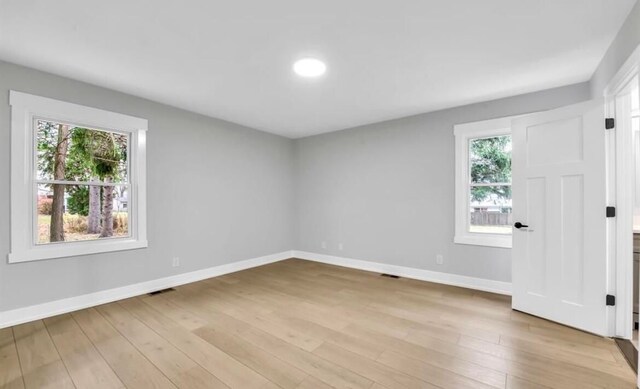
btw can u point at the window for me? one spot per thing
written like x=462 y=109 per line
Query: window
x=483 y=183
x=78 y=181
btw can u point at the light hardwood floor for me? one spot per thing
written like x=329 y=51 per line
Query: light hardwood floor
x=299 y=324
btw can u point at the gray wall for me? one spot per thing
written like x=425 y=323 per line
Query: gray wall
x=627 y=39
x=217 y=193
x=386 y=191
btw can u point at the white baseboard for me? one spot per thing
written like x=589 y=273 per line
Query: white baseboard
x=492 y=286
x=58 y=307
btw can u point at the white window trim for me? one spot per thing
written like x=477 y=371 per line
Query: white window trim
x=24 y=108
x=463 y=133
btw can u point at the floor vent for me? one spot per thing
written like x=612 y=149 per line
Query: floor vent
x=389 y=275
x=161 y=291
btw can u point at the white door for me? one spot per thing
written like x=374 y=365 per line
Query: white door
x=559 y=254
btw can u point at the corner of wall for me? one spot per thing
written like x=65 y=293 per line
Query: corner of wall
x=624 y=43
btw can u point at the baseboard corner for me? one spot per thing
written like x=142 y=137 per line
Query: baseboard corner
x=482 y=284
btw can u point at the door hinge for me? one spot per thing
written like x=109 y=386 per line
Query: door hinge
x=611 y=211
x=609 y=123
x=611 y=300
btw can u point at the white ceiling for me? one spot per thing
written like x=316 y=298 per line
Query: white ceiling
x=386 y=59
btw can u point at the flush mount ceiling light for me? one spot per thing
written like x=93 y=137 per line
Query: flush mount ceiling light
x=309 y=67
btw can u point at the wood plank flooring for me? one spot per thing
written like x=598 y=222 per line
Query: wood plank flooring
x=297 y=324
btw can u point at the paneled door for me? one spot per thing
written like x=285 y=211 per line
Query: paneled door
x=559 y=235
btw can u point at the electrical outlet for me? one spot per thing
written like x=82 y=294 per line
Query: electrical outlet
x=439 y=259
x=323 y=244
x=176 y=261
x=340 y=246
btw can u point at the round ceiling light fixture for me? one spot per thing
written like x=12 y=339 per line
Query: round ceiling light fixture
x=309 y=67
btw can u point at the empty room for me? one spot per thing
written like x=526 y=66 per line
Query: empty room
x=338 y=194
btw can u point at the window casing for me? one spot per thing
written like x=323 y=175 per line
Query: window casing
x=483 y=202
x=29 y=185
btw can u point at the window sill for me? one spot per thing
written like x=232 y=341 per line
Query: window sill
x=75 y=249
x=500 y=241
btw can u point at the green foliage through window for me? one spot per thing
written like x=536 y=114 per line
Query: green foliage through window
x=81 y=155
x=490 y=163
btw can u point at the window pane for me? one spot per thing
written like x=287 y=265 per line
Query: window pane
x=490 y=160
x=490 y=208
x=68 y=213
x=72 y=153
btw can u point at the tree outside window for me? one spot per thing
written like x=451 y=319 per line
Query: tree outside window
x=82 y=180
x=490 y=185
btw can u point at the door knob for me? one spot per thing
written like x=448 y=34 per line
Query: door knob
x=519 y=225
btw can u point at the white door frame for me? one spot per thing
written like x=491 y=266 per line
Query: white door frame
x=620 y=178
